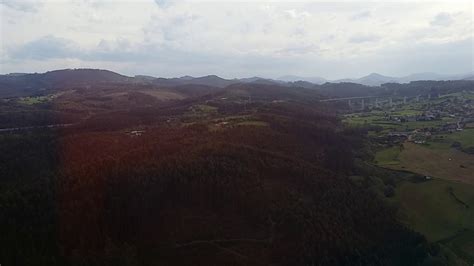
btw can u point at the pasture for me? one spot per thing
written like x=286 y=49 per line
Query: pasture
x=449 y=164
x=443 y=211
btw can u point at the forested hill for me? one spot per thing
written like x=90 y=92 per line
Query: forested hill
x=24 y=85
x=250 y=175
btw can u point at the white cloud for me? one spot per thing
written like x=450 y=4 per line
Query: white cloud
x=442 y=19
x=22 y=5
x=361 y=15
x=362 y=38
x=164 y=3
x=233 y=38
x=295 y=14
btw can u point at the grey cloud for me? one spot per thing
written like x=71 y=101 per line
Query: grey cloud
x=121 y=50
x=186 y=37
x=46 y=47
x=173 y=28
x=22 y=5
x=424 y=57
x=97 y=3
x=164 y=3
x=447 y=58
x=364 y=38
x=164 y=60
x=442 y=19
x=361 y=15
x=299 y=50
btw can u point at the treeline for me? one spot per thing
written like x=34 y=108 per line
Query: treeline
x=429 y=87
x=414 y=88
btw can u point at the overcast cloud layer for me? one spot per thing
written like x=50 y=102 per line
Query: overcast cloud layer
x=238 y=39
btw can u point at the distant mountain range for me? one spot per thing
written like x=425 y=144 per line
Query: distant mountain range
x=19 y=84
x=315 y=80
x=22 y=84
x=373 y=79
x=376 y=79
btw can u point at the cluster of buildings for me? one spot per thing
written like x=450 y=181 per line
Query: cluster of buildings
x=425 y=116
x=418 y=136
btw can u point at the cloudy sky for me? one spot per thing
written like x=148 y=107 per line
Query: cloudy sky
x=238 y=39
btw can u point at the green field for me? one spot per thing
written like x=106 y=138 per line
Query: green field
x=443 y=142
x=462 y=244
x=377 y=118
x=205 y=108
x=466 y=95
x=465 y=137
x=35 y=99
x=429 y=208
x=253 y=123
x=449 y=164
x=201 y=112
x=442 y=209
x=388 y=156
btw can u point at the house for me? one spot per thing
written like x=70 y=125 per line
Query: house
x=449 y=127
x=136 y=133
x=398 y=134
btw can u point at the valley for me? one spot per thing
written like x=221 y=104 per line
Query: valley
x=432 y=138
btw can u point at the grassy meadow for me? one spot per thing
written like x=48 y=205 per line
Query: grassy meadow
x=429 y=208
x=449 y=164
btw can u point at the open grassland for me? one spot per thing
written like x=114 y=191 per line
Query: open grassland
x=388 y=156
x=255 y=123
x=462 y=244
x=465 y=137
x=427 y=124
x=360 y=119
x=444 y=142
x=447 y=164
x=35 y=99
x=376 y=118
x=234 y=121
x=204 y=108
x=441 y=208
x=408 y=111
x=163 y=95
x=442 y=211
x=464 y=95
x=430 y=208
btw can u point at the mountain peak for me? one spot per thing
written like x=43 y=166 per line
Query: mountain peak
x=187 y=77
x=376 y=75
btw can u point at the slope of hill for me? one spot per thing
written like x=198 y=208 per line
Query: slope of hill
x=251 y=174
x=376 y=79
x=212 y=80
x=24 y=85
x=21 y=85
x=347 y=89
x=314 y=80
x=373 y=79
x=420 y=76
x=81 y=76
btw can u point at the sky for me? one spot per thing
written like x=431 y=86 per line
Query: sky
x=163 y=38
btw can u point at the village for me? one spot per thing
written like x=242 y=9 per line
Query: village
x=444 y=115
x=417 y=120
